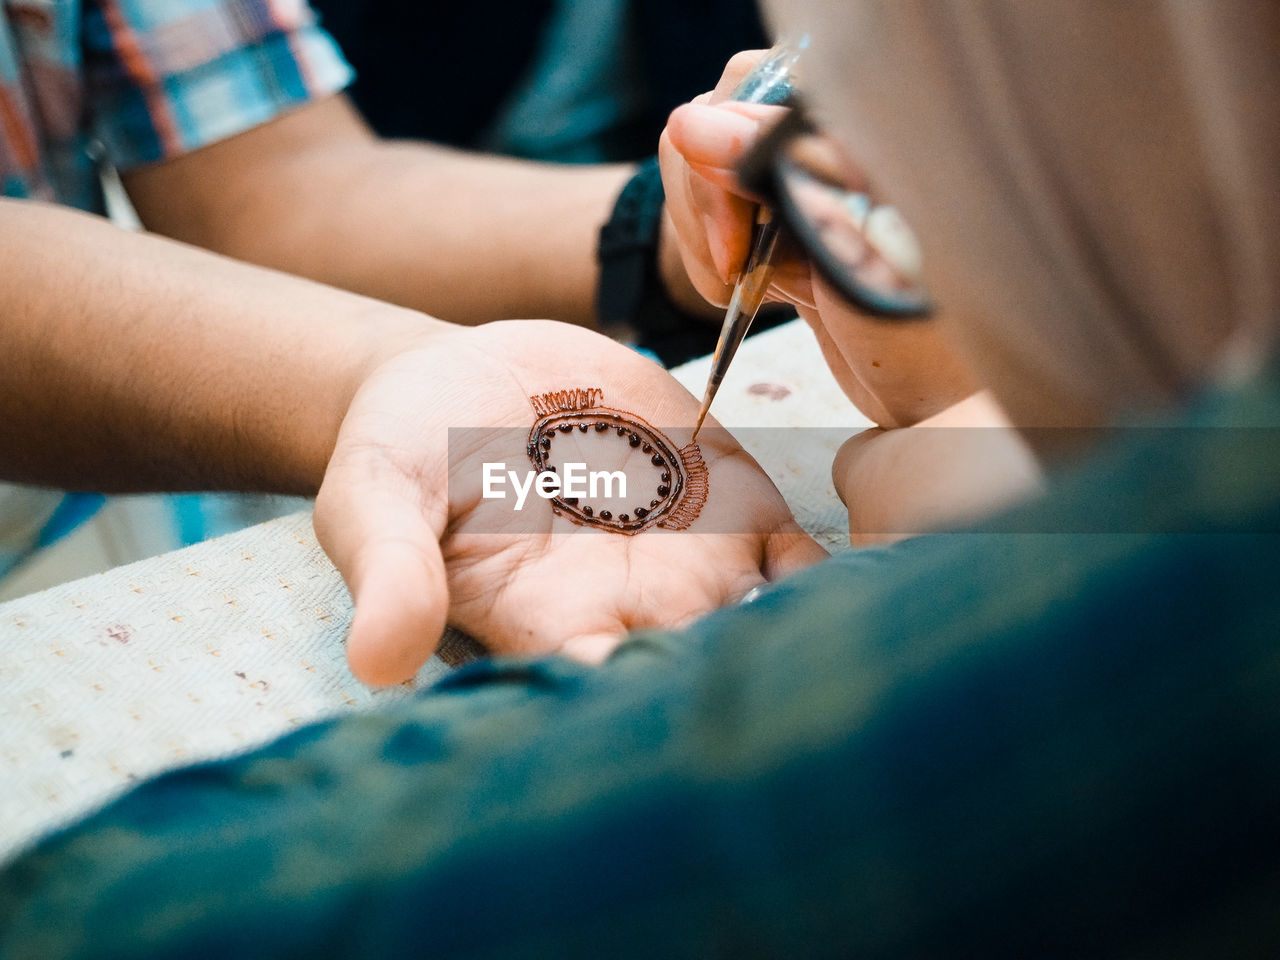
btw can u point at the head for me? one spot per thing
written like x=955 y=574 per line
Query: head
x=1094 y=184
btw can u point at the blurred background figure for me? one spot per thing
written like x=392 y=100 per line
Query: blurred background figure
x=571 y=81
x=559 y=81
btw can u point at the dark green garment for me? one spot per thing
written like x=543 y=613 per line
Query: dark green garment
x=1031 y=744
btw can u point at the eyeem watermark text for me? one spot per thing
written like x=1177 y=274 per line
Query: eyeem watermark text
x=574 y=481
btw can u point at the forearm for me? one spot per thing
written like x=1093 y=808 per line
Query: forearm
x=128 y=362
x=465 y=237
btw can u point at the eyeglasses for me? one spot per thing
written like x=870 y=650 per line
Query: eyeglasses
x=865 y=250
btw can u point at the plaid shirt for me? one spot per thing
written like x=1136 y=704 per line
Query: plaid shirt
x=132 y=82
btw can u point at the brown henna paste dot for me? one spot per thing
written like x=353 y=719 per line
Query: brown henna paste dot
x=601 y=427
x=584 y=427
x=663 y=490
x=657 y=460
x=641 y=513
x=648 y=448
x=622 y=431
x=572 y=501
x=623 y=518
x=634 y=441
x=653 y=503
x=606 y=515
x=666 y=477
x=566 y=427
x=589 y=511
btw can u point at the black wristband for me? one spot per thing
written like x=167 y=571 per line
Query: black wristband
x=630 y=289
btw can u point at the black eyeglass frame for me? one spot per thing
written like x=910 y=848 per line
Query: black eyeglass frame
x=762 y=172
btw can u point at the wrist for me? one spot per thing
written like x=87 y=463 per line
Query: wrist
x=345 y=359
x=642 y=285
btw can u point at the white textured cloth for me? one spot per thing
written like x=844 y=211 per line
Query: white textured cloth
x=214 y=649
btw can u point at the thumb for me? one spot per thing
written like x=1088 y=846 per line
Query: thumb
x=388 y=552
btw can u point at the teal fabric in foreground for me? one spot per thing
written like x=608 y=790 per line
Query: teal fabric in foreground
x=1004 y=743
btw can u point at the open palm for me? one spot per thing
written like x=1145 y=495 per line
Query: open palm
x=403 y=515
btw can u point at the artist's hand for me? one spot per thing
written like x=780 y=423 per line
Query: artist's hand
x=401 y=513
x=897 y=374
